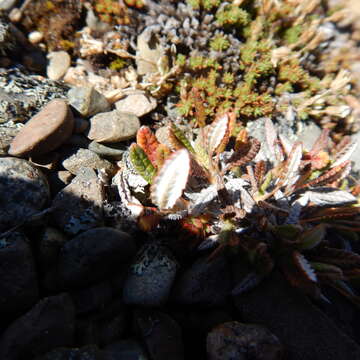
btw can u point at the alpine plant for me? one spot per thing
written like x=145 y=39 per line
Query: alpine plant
x=270 y=204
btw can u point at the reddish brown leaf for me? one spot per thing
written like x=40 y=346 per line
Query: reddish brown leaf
x=260 y=170
x=334 y=174
x=200 y=115
x=148 y=142
x=321 y=143
x=246 y=154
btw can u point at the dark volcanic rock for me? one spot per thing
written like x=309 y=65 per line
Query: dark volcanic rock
x=79 y=204
x=204 y=283
x=125 y=350
x=151 y=276
x=234 y=340
x=304 y=330
x=92 y=298
x=49 y=324
x=25 y=189
x=18 y=282
x=92 y=255
x=161 y=334
x=90 y=352
x=22 y=95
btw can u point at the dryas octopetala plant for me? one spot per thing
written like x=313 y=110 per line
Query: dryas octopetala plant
x=272 y=204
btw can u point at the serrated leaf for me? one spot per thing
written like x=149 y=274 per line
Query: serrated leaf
x=218 y=131
x=312 y=238
x=330 y=197
x=332 y=213
x=342 y=258
x=148 y=142
x=260 y=170
x=327 y=270
x=270 y=135
x=249 y=282
x=305 y=266
x=245 y=154
x=142 y=163
x=181 y=138
x=200 y=114
x=201 y=155
x=241 y=139
x=320 y=143
x=344 y=154
x=334 y=174
x=170 y=182
x=162 y=153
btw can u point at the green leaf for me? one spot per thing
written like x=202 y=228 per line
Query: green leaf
x=182 y=138
x=142 y=163
x=313 y=237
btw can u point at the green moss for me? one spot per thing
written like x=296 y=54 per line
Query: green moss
x=205 y=4
x=219 y=43
x=232 y=15
x=292 y=35
x=117 y=64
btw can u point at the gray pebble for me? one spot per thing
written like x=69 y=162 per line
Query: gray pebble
x=137 y=103
x=59 y=62
x=79 y=204
x=87 y=158
x=7 y=135
x=113 y=126
x=111 y=151
x=87 y=101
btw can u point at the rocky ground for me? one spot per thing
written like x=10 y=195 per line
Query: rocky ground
x=78 y=278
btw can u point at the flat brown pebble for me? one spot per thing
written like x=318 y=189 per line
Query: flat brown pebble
x=45 y=131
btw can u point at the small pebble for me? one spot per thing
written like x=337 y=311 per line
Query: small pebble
x=35 y=37
x=59 y=63
x=113 y=126
x=87 y=101
x=138 y=104
x=113 y=152
x=87 y=158
x=45 y=131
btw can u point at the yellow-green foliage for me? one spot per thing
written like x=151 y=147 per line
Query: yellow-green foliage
x=252 y=90
x=219 y=43
x=232 y=15
x=205 y=4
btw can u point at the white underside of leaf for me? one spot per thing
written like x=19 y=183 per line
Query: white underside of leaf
x=295 y=209
x=240 y=196
x=330 y=197
x=217 y=132
x=201 y=200
x=170 y=182
x=210 y=242
x=305 y=266
x=293 y=164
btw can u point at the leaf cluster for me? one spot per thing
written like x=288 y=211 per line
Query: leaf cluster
x=288 y=201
